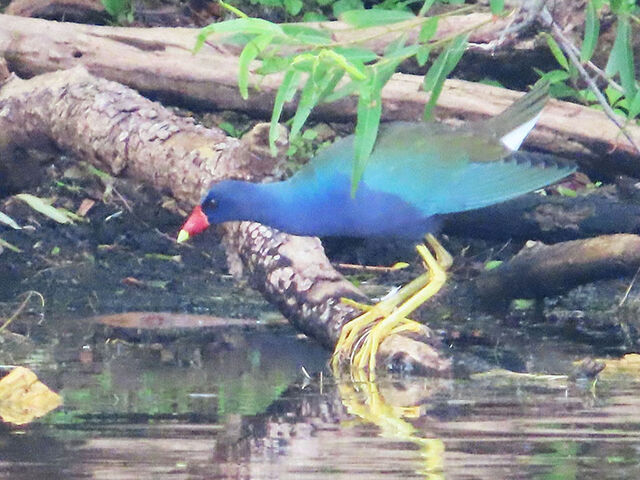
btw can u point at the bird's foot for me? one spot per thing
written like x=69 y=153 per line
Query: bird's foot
x=360 y=339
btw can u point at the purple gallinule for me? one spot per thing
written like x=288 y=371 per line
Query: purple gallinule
x=416 y=173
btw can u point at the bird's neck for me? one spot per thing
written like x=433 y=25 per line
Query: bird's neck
x=275 y=204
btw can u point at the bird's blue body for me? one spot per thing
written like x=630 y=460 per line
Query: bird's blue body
x=416 y=172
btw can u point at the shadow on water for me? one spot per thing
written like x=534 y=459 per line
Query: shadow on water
x=237 y=404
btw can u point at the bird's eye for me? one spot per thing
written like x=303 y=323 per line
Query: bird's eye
x=210 y=204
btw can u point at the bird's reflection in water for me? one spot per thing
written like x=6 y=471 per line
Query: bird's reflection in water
x=389 y=404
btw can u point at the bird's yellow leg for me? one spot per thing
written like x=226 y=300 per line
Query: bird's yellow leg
x=356 y=328
x=436 y=277
x=409 y=297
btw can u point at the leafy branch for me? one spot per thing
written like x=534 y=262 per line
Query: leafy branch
x=621 y=98
x=324 y=70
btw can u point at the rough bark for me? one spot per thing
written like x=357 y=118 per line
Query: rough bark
x=159 y=61
x=113 y=127
x=541 y=270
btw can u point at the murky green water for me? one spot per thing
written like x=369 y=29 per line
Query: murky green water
x=239 y=406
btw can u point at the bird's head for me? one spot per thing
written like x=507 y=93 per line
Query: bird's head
x=200 y=218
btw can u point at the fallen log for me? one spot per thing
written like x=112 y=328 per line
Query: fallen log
x=159 y=62
x=115 y=128
x=540 y=270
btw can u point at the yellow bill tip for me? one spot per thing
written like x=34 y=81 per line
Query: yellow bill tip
x=183 y=236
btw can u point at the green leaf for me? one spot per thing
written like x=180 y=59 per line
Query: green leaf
x=353 y=70
x=307 y=35
x=523 y=303
x=396 y=45
x=422 y=55
x=369 y=113
x=566 y=192
x=555 y=76
x=9 y=246
x=357 y=54
x=344 y=91
x=591 y=32
x=249 y=53
x=232 y=9
x=634 y=108
x=375 y=17
x=428 y=29
x=249 y=25
x=293 y=7
x=342 y=6
x=425 y=7
x=490 y=265
x=556 y=51
x=613 y=95
x=44 y=208
x=7 y=220
x=441 y=68
x=621 y=58
x=274 y=64
x=314 y=17
x=497 y=6
x=317 y=83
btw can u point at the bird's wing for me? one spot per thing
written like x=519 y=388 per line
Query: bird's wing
x=441 y=170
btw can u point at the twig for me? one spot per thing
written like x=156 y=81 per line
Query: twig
x=568 y=48
x=22 y=306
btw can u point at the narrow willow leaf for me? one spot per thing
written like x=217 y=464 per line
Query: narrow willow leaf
x=497 y=6
x=285 y=94
x=309 y=98
x=422 y=56
x=425 y=7
x=353 y=70
x=435 y=72
x=634 y=108
x=621 y=58
x=9 y=246
x=344 y=91
x=249 y=54
x=293 y=7
x=44 y=208
x=374 y=17
x=458 y=46
x=428 y=29
x=441 y=68
x=369 y=113
x=306 y=34
x=334 y=79
x=433 y=99
x=274 y=64
x=249 y=25
x=233 y=9
x=396 y=45
x=240 y=26
x=555 y=76
x=491 y=264
x=557 y=51
x=403 y=53
x=356 y=54
x=591 y=32
x=7 y=220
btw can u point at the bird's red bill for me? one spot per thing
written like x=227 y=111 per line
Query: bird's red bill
x=196 y=223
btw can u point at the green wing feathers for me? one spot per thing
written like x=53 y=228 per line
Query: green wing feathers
x=482 y=184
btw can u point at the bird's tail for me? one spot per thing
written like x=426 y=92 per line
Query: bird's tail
x=514 y=124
